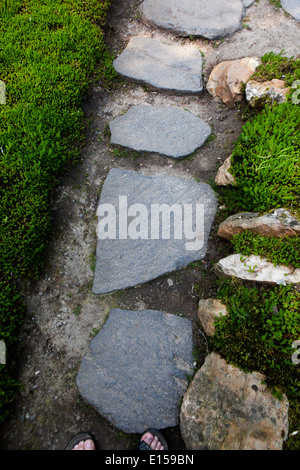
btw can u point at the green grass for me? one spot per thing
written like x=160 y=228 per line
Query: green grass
x=49 y=52
x=276 y=3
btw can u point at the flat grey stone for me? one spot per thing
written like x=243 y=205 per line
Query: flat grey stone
x=248 y=3
x=135 y=372
x=163 y=66
x=292 y=7
x=206 y=18
x=123 y=263
x=170 y=131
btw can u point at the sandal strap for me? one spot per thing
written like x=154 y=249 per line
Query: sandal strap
x=143 y=446
x=156 y=433
x=83 y=436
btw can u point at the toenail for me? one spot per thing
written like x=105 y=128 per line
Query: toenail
x=89 y=445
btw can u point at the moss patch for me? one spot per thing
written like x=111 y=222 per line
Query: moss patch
x=258 y=334
x=49 y=52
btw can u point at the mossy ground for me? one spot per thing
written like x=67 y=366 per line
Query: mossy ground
x=49 y=51
x=263 y=322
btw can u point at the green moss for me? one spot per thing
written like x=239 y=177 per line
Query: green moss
x=280 y=251
x=266 y=163
x=277 y=66
x=49 y=52
x=257 y=335
x=12 y=311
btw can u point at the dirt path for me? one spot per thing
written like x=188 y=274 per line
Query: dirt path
x=63 y=314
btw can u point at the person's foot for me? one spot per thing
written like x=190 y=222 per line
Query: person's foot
x=85 y=445
x=152 y=441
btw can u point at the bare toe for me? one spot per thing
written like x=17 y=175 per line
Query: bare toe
x=152 y=441
x=85 y=445
x=148 y=438
x=89 y=445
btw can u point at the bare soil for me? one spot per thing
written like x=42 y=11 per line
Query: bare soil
x=63 y=314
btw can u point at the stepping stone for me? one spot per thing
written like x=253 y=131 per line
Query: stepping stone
x=204 y=18
x=248 y=3
x=292 y=7
x=135 y=372
x=168 y=67
x=170 y=131
x=125 y=260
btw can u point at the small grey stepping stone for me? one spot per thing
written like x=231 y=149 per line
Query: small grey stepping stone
x=170 y=131
x=163 y=66
x=248 y=3
x=292 y=7
x=126 y=261
x=206 y=18
x=135 y=372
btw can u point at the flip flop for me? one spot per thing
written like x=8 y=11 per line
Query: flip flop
x=83 y=436
x=144 y=446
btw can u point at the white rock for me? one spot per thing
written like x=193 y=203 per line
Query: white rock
x=255 y=268
x=274 y=90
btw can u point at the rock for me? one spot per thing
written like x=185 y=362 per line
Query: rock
x=208 y=311
x=223 y=176
x=134 y=373
x=226 y=79
x=278 y=223
x=225 y=408
x=168 y=67
x=208 y=19
x=131 y=258
x=248 y=3
x=258 y=94
x=255 y=268
x=292 y=7
x=170 y=131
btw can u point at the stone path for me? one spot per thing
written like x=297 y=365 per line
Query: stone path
x=292 y=7
x=135 y=371
x=194 y=18
x=119 y=376
x=130 y=261
x=164 y=66
x=170 y=131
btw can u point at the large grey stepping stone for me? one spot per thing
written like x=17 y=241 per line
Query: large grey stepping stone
x=292 y=7
x=210 y=19
x=127 y=262
x=135 y=372
x=169 y=67
x=170 y=131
